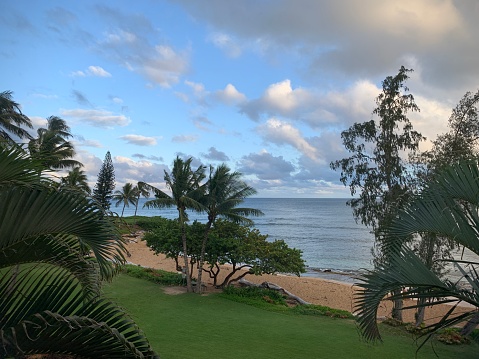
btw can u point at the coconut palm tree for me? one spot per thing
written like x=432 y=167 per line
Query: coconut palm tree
x=52 y=146
x=224 y=192
x=186 y=191
x=142 y=190
x=76 y=179
x=127 y=195
x=12 y=120
x=447 y=207
x=50 y=300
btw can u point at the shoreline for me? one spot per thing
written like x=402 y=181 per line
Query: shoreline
x=332 y=293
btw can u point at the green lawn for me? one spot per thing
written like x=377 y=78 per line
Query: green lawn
x=189 y=326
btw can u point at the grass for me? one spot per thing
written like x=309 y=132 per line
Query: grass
x=192 y=326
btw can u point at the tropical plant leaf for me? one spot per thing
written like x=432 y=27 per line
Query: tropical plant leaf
x=43 y=311
x=27 y=213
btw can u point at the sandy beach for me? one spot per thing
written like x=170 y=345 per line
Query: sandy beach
x=319 y=291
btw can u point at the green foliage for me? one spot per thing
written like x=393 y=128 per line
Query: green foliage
x=273 y=300
x=452 y=336
x=76 y=180
x=154 y=275
x=376 y=172
x=128 y=195
x=105 y=183
x=246 y=248
x=312 y=309
x=12 y=120
x=230 y=243
x=447 y=207
x=254 y=294
x=186 y=193
x=50 y=297
x=51 y=146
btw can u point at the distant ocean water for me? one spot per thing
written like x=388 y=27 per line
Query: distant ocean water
x=334 y=246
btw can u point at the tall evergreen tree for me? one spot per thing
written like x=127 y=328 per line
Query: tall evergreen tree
x=105 y=183
x=376 y=170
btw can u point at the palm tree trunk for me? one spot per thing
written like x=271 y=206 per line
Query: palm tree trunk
x=470 y=325
x=397 y=307
x=136 y=204
x=123 y=210
x=199 y=287
x=419 y=316
x=189 y=287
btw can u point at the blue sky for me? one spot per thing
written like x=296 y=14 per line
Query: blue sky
x=265 y=86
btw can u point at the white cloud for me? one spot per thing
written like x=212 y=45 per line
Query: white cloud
x=128 y=170
x=279 y=98
x=215 y=155
x=117 y=100
x=160 y=64
x=139 y=140
x=356 y=38
x=97 y=118
x=87 y=143
x=77 y=74
x=280 y=132
x=230 y=95
x=96 y=71
x=225 y=43
x=266 y=166
x=185 y=138
x=38 y=121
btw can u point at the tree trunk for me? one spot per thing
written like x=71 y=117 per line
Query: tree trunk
x=470 y=325
x=199 y=287
x=419 y=316
x=189 y=287
x=136 y=205
x=122 y=211
x=397 y=307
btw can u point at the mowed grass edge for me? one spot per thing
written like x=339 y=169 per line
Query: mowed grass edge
x=191 y=326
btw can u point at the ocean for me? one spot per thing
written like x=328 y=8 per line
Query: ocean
x=334 y=246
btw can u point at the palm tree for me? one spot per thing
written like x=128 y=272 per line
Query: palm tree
x=142 y=190
x=186 y=191
x=447 y=207
x=52 y=146
x=224 y=192
x=127 y=195
x=12 y=119
x=76 y=179
x=50 y=290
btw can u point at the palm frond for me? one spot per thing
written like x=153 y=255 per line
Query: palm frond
x=43 y=311
x=28 y=213
x=405 y=270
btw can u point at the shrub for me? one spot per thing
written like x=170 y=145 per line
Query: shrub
x=254 y=294
x=452 y=336
x=312 y=309
x=154 y=275
x=273 y=300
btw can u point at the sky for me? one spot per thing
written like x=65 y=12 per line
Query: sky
x=264 y=86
